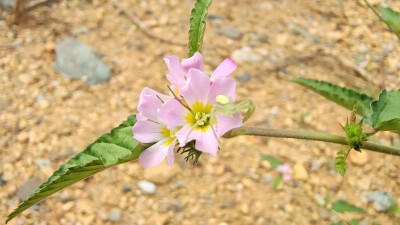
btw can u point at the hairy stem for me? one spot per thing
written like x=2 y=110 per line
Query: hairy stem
x=309 y=135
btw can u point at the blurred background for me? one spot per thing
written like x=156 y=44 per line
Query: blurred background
x=52 y=106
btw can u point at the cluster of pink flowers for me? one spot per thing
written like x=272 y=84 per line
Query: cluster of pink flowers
x=185 y=114
x=286 y=171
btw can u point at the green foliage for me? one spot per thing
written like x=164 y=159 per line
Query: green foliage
x=343 y=206
x=274 y=162
x=391 y=18
x=327 y=199
x=354 y=134
x=386 y=111
x=198 y=25
x=341 y=160
x=113 y=148
x=354 y=222
x=277 y=181
x=347 y=98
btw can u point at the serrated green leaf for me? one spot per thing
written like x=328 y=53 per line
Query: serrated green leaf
x=391 y=17
x=347 y=98
x=113 y=148
x=343 y=206
x=386 y=111
x=274 y=162
x=198 y=25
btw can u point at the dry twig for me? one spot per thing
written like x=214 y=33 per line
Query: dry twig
x=144 y=28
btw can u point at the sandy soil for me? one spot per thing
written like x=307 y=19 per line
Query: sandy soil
x=46 y=116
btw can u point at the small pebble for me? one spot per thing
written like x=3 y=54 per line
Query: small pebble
x=381 y=200
x=214 y=18
x=147 y=187
x=126 y=188
x=2 y=181
x=244 y=77
x=231 y=32
x=115 y=215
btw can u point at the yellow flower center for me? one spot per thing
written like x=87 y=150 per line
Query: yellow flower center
x=200 y=116
x=168 y=134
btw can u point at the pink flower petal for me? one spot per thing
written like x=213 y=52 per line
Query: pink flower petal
x=149 y=91
x=176 y=74
x=197 y=87
x=171 y=154
x=154 y=155
x=149 y=107
x=140 y=117
x=222 y=86
x=196 y=61
x=226 y=123
x=183 y=135
x=172 y=113
x=224 y=69
x=287 y=177
x=205 y=141
x=284 y=168
x=147 y=132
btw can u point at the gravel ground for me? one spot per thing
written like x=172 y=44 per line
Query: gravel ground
x=46 y=118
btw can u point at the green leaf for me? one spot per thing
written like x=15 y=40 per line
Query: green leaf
x=343 y=206
x=391 y=17
x=277 y=181
x=386 y=111
x=354 y=222
x=113 y=148
x=347 y=98
x=327 y=199
x=274 y=162
x=341 y=160
x=198 y=25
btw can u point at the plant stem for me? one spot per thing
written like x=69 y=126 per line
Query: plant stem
x=309 y=135
x=381 y=18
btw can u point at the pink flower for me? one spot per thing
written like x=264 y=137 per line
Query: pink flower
x=188 y=114
x=285 y=170
x=193 y=111
x=149 y=129
x=147 y=107
x=178 y=70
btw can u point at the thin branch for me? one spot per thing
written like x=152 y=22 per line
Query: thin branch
x=309 y=135
x=135 y=20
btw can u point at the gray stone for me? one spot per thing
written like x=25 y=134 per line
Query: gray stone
x=315 y=165
x=274 y=111
x=77 y=60
x=381 y=200
x=115 y=215
x=231 y=32
x=2 y=181
x=176 y=205
x=147 y=187
x=42 y=163
x=126 y=188
x=7 y=5
x=214 y=18
x=245 y=54
x=244 y=77
x=28 y=187
x=258 y=38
